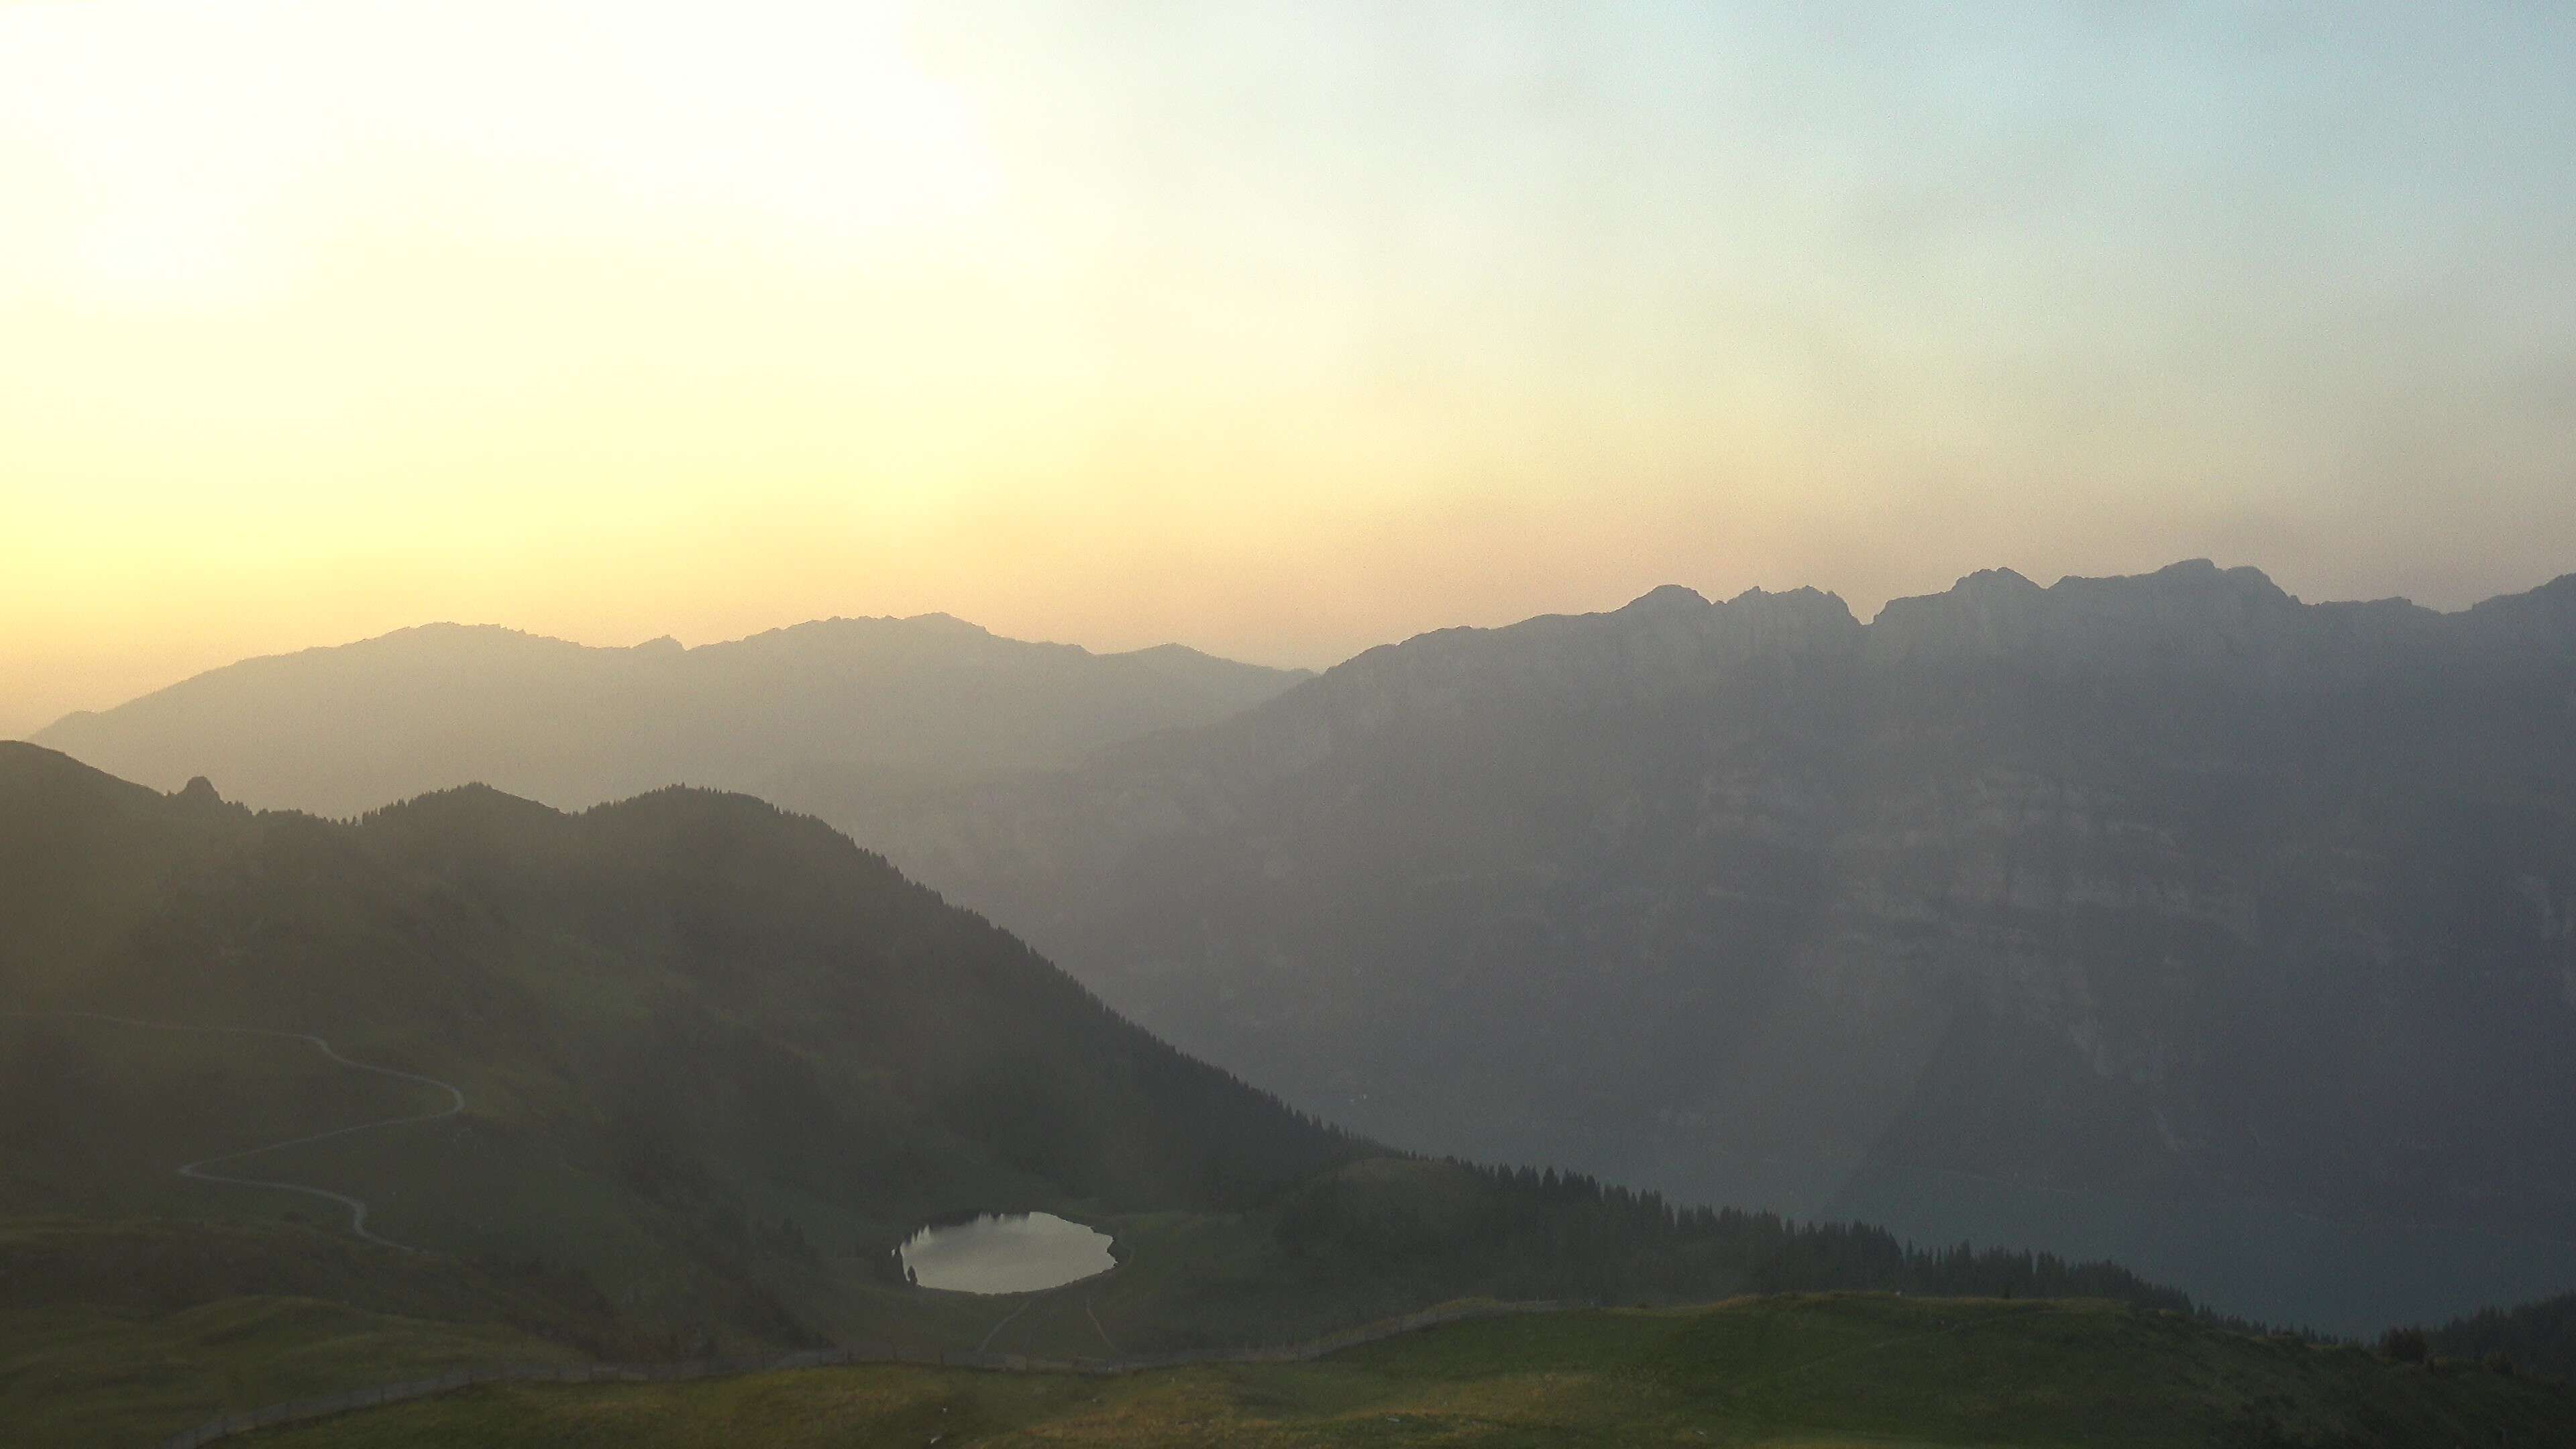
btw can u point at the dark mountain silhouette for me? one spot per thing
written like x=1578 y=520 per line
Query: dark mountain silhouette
x=625 y=947
x=816 y=716
x=2164 y=917
x=682 y=1020
x=714 y=1061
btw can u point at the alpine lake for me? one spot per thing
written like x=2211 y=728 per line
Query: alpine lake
x=1006 y=1253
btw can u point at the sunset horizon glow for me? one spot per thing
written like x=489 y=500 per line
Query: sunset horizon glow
x=1276 y=331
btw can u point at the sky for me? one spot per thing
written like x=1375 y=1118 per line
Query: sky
x=1278 y=330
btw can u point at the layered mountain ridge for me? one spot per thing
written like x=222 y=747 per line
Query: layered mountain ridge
x=475 y=1080
x=801 y=715
x=2166 y=918
x=2158 y=915
x=2189 y=615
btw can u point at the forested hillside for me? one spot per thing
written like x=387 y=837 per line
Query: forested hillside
x=2535 y=1337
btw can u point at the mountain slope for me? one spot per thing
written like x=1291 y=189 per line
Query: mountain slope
x=692 y=1029
x=667 y=1078
x=2155 y=917
x=810 y=716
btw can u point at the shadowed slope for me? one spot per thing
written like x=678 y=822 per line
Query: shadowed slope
x=687 y=1024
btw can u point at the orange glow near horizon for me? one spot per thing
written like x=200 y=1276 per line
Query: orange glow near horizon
x=1277 y=332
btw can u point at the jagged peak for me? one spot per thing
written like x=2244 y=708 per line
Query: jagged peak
x=946 y=624
x=441 y=629
x=2191 y=574
x=2191 y=614
x=2202 y=572
x=1996 y=581
x=1806 y=598
x=1666 y=596
x=1677 y=599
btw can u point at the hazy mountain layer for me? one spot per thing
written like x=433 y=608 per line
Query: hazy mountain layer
x=2163 y=916
x=814 y=716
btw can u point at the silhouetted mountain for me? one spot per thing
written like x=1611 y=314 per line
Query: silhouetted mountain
x=812 y=716
x=679 y=1018
x=714 y=1062
x=2166 y=917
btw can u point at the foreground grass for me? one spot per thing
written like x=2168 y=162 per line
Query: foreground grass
x=106 y=1377
x=1799 y=1370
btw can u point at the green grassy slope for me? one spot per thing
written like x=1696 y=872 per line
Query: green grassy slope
x=119 y=1332
x=1781 y=1371
x=88 y=1376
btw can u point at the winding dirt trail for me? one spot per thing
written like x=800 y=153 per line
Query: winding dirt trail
x=196 y=1171
x=1090 y=1286
x=1096 y=1328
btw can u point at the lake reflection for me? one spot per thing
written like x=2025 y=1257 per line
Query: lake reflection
x=1006 y=1253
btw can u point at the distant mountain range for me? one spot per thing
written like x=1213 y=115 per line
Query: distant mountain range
x=819 y=716
x=2163 y=917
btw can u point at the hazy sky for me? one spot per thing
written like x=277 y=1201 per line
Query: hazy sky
x=1278 y=330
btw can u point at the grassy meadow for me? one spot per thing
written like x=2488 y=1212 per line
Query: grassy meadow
x=1808 y=1370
